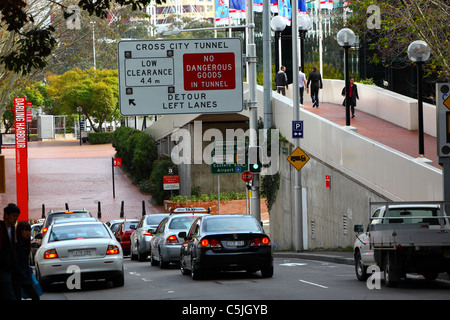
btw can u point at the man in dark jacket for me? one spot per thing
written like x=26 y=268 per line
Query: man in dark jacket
x=282 y=81
x=7 y=251
x=316 y=83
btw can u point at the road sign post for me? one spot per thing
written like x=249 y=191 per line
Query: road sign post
x=180 y=76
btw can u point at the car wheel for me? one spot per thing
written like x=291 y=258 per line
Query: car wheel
x=133 y=255
x=195 y=274
x=388 y=273
x=183 y=270
x=44 y=284
x=267 y=272
x=153 y=262
x=162 y=264
x=141 y=257
x=119 y=281
x=360 y=269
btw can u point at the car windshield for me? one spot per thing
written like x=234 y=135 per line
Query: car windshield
x=231 y=224
x=182 y=222
x=130 y=223
x=413 y=215
x=78 y=231
x=154 y=220
x=65 y=215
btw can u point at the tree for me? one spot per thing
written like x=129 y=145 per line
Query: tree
x=402 y=22
x=95 y=91
x=34 y=37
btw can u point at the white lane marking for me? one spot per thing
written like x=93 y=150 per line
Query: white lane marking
x=313 y=284
x=292 y=264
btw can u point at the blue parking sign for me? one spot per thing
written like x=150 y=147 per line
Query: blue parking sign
x=297 y=129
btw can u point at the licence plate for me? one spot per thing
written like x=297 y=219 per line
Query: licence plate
x=81 y=252
x=235 y=243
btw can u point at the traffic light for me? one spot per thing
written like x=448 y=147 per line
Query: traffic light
x=254 y=159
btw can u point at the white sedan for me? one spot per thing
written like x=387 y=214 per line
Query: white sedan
x=84 y=246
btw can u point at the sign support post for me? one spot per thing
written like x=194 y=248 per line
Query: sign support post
x=20 y=125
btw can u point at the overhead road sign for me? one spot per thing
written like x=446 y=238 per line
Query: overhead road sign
x=180 y=76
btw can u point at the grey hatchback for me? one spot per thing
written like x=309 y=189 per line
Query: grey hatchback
x=140 y=238
x=165 y=245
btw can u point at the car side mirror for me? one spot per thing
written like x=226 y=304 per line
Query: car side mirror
x=182 y=235
x=358 y=228
x=38 y=236
x=133 y=227
x=151 y=230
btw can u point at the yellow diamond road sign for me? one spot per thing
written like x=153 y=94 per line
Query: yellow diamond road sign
x=447 y=102
x=298 y=158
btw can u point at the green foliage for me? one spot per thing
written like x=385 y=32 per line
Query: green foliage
x=160 y=168
x=137 y=150
x=100 y=137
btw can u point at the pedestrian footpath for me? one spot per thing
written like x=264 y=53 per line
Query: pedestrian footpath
x=387 y=133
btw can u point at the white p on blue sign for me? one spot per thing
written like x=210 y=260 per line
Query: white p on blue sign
x=297 y=129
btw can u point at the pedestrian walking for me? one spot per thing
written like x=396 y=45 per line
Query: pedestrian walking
x=301 y=83
x=8 y=251
x=352 y=94
x=315 y=79
x=281 y=81
x=24 y=273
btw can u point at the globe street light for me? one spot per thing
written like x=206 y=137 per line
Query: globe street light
x=304 y=25
x=278 y=24
x=346 y=38
x=419 y=52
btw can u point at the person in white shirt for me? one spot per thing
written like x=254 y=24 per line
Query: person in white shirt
x=301 y=83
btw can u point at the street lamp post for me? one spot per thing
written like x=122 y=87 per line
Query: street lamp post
x=278 y=24
x=346 y=38
x=419 y=52
x=304 y=25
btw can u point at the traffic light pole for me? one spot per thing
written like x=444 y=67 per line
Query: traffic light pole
x=252 y=102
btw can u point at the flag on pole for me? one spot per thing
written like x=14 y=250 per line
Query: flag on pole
x=222 y=15
x=284 y=10
x=237 y=9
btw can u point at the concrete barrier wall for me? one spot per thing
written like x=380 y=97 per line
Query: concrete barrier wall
x=385 y=170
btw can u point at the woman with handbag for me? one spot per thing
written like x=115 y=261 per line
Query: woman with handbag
x=25 y=287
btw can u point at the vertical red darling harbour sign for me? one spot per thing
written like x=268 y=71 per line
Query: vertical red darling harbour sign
x=20 y=125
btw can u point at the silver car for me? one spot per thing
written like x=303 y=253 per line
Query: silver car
x=165 y=244
x=87 y=244
x=140 y=238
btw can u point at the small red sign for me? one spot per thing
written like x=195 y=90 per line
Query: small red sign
x=209 y=71
x=328 y=182
x=117 y=162
x=247 y=176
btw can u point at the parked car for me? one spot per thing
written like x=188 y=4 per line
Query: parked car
x=86 y=243
x=223 y=243
x=165 y=245
x=66 y=214
x=35 y=229
x=123 y=234
x=140 y=238
x=114 y=224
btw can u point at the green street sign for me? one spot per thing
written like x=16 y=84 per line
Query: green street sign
x=228 y=157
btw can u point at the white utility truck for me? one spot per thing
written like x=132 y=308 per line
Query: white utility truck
x=404 y=237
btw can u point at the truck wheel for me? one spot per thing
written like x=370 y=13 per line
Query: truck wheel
x=388 y=276
x=360 y=269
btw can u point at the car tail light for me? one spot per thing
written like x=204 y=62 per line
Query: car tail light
x=148 y=233
x=172 y=239
x=44 y=231
x=260 y=242
x=112 y=249
x=210 y=243
x=50 y=254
